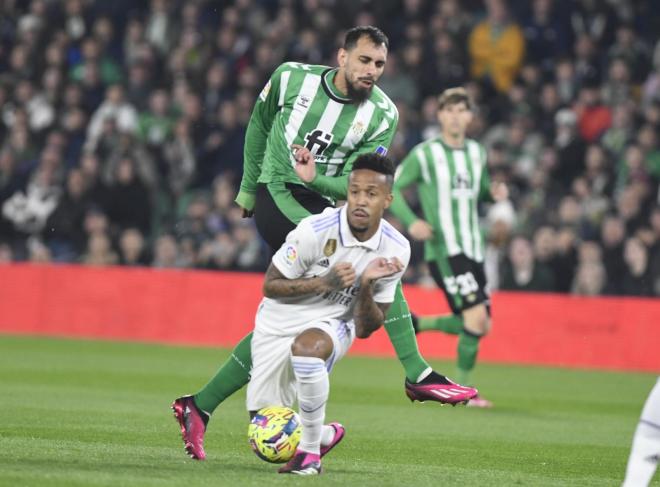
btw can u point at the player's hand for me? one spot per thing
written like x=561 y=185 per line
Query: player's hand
x=379 y=268
x=305 y=164
x=499 y=191
x=420 y=230
x=247 y=213
x=340 y=276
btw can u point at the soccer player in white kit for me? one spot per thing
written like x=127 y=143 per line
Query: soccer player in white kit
x=331 y=281
x=645 y=452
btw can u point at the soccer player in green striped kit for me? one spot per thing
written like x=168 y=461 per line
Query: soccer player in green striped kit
x=308 y=126
x=451 y=176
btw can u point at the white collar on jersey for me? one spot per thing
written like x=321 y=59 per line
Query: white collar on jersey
x=347 y=237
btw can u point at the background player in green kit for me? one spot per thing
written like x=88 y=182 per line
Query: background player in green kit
x=308 y=126
x=451 y=176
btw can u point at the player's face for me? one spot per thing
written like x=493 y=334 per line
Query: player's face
x=363 y=65
x=369 y=194
x=454 y=119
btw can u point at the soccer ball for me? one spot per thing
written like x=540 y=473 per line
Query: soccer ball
x=274 y=433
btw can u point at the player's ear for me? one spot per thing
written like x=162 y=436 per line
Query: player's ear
x=388 y=199
x=342 y=54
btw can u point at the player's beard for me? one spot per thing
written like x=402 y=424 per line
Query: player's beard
x=357 y=230
x=357 y=95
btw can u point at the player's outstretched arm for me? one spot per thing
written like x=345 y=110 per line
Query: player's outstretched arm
x=256 y=136
x=420 y=230
x=277 y=285
x=370 y=315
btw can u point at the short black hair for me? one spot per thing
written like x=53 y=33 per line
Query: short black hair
x=375 y=162
x=373 y=33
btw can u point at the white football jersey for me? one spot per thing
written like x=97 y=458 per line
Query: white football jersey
x=315 y=245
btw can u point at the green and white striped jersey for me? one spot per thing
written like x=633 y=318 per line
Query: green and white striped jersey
x=301 y=105
x=450 y=183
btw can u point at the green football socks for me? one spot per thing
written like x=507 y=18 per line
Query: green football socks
x=468 y=346
x=230 y=377
x=399 y=327
x=452 y=324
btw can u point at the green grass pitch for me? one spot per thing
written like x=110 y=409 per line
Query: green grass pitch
x=88 y=413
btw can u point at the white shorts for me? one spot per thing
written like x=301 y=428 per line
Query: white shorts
x=273 y=382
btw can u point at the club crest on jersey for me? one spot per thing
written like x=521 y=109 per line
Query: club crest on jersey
x=358 y=128
x=330 y=247
x=291 y=254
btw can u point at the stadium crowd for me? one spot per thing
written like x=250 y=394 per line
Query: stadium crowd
x=122 y=126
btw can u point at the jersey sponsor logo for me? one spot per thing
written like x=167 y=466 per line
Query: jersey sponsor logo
x=303 y=101
x=264 y=93
x=330 y=247
x=343 y=296
x=324 y=263
x=291 y=254
x=461 y=185
x=381 y=151
x=317 y=141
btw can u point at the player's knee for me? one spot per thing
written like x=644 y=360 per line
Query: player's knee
x=477 y=321
x=312 y=343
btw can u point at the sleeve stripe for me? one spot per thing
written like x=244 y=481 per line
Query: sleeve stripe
x=384 y=125
x=284 y=81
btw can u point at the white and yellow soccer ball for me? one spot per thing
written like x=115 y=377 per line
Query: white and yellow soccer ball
x=274 y=433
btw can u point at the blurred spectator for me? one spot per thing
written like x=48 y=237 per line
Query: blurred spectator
x=565 y=259
x=166 y=253
x=590 y=279
x=64 y=232
x=570 y=148
x=633 y=51
x=594 y=118
x=612 y=234
x=131 y=206
x=6 y=254
x=497 y=47
x=594 y=18
x=114 y=109
x=546 y=34
x=400 y=85
x=522 y=272
x=132 y=251
x=156 y=123
x=99 y=251
x=620 y=132
x=617 y=88
x=637 y=279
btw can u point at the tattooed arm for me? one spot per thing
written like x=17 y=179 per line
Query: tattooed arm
x=276 y=285
x=370 y=315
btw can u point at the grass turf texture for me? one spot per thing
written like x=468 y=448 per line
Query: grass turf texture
x=93 y=413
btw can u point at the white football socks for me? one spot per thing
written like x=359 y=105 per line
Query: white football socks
x=313 y=391
x=645 y=452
